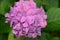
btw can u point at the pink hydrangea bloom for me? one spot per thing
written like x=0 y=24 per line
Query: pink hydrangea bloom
x=26 y=19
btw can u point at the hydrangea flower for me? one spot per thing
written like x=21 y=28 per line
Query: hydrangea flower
x=26 y=19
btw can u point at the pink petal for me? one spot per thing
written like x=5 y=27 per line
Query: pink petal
x=30 y=19
x=17 y=27
x=23 y=19
x=7 y=15
x=34 y=35
x=25 y=25
x=43 y=24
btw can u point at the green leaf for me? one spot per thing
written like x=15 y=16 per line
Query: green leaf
x=53 y=19
x=22 y=38
x=5 y=6
x=4 y=27
x=25 y=38
x=38 y=2
x=4 y=36
x=44 y=36
x=11 y=36
x=51 y=3
x=55 y=38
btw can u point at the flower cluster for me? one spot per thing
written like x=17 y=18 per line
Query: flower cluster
x=26 y=19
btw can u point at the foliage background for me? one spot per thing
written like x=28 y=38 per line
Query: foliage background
x=51 y=32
